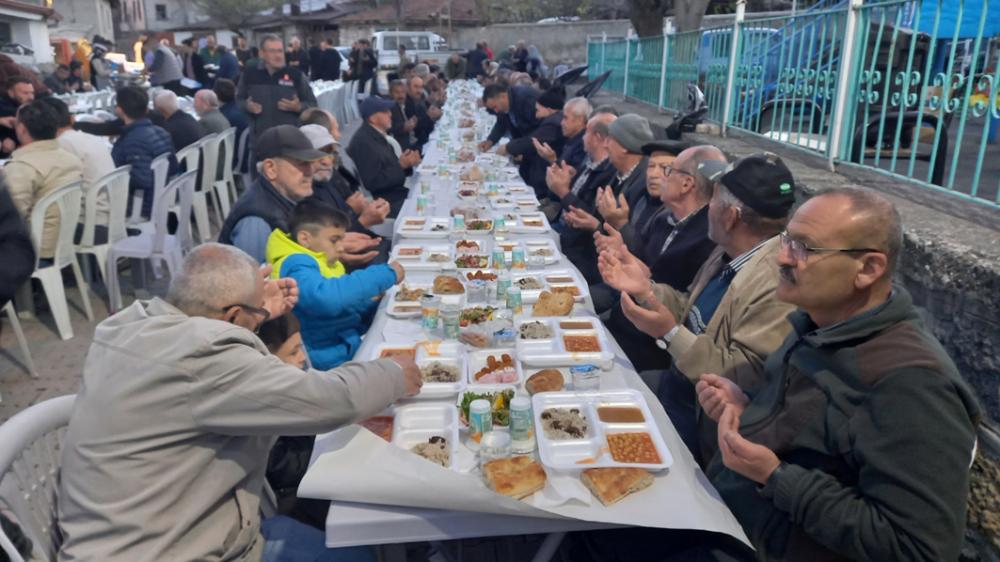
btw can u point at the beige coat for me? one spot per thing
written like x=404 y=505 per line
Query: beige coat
x=34 y=171
x=165 y=454
x=748 y=324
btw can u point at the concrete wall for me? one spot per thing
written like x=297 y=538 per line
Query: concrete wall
x=557 y=42
x=83 y=18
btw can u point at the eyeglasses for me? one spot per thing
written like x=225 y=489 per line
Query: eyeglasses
x=800 y=251
x=669 y=170
x=254 y=310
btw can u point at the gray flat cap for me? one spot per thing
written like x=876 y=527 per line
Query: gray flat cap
x=631 y=131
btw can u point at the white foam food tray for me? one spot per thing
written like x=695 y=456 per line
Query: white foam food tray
x=424 y=227
x=469 y=261
x=479 y=358
x=417 y=423
x=422 y=257
x=532 y=222
x=592 y=450
x=553 y=352
x=397 y=308
x=447 y=353
x=549 y=280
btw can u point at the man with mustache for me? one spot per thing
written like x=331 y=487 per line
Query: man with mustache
x=729 y=320
x=859 y=445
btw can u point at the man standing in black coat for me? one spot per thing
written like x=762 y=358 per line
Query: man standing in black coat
x=548 y=109
x=330 y=61
x=475 y=67
x=515 y=110
x=194 y=65
x=272 y=92
x=15 y=246
x=382 y=169
x=315 y=60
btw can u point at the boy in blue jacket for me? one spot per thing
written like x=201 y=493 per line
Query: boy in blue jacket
x=334 y=307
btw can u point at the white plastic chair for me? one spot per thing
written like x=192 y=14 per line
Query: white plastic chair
x=161 y=169
x=67 y=201
x=194 y=160
x=156 y=245
x=225 y=179
x=242 y=155
x=116 y=186
x=22 y=342
x=30 y=446
x=209 y=187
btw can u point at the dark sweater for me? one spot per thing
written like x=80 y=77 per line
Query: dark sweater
x=378 y=166
x=15 y=246
x=876 y=428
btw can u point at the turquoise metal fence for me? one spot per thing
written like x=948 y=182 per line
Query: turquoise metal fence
x=909 y=88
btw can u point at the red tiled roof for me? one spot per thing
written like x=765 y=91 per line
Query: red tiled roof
x=30 y=8
x=418 y=11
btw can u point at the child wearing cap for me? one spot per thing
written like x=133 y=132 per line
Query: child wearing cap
x=334 y=307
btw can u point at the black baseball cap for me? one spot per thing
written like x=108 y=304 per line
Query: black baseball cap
x=286 y=141
x=670 y=146
x=760 y=181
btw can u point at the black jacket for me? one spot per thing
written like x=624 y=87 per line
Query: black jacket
x=425 y=125
x=329 y=67
x=399 y=119
x=259 y=200
x=474 y=67
x=184 y=130
x=573 y=152
x=8 y=108
x=197 y=66
x=522 y=107
x=266 y=89
x=16 y=248
x=315 y=62
x=876 y=428
x=676 y=266
x=298 y=60
x=578 y=245
x=533 y=167
x=378 y=166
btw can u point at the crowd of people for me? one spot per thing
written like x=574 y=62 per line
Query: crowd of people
x=791 y=362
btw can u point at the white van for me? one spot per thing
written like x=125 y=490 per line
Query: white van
x=421 y=46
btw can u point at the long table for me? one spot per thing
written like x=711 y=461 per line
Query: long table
x=354 y=520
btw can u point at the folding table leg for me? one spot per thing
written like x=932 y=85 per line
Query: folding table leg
x=549 y=547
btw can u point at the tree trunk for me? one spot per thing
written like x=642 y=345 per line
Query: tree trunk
x=647 y=17
x=688 y=14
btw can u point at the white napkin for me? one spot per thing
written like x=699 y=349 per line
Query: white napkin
x=402 y=331
x=561 y=487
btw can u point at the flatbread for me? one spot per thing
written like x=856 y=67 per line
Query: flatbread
x=447 y=285
x=611 y=485
x=553 y=304
x=517 y=477
x=546 y=380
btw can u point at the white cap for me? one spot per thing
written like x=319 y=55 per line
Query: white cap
x=318 y=136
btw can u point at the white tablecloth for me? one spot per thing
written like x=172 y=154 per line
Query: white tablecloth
x=383 y=494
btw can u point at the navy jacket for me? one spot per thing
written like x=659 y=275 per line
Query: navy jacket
x=676 y=267
x=229 y=66
x=520 y=120
x=573 y=152
x=139 y=143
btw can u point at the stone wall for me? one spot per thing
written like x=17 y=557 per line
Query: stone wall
x=558 y=42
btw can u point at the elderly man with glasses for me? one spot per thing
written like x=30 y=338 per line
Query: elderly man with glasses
x=285 y=176
x=167 y=445
x=859 y=445
x=729 y=321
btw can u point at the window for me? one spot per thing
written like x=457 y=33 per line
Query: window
x=5 y=34
x=161 y=12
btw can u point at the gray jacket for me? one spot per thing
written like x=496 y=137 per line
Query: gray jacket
x=214 y=122
x=166 y=66
x=166 y=449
